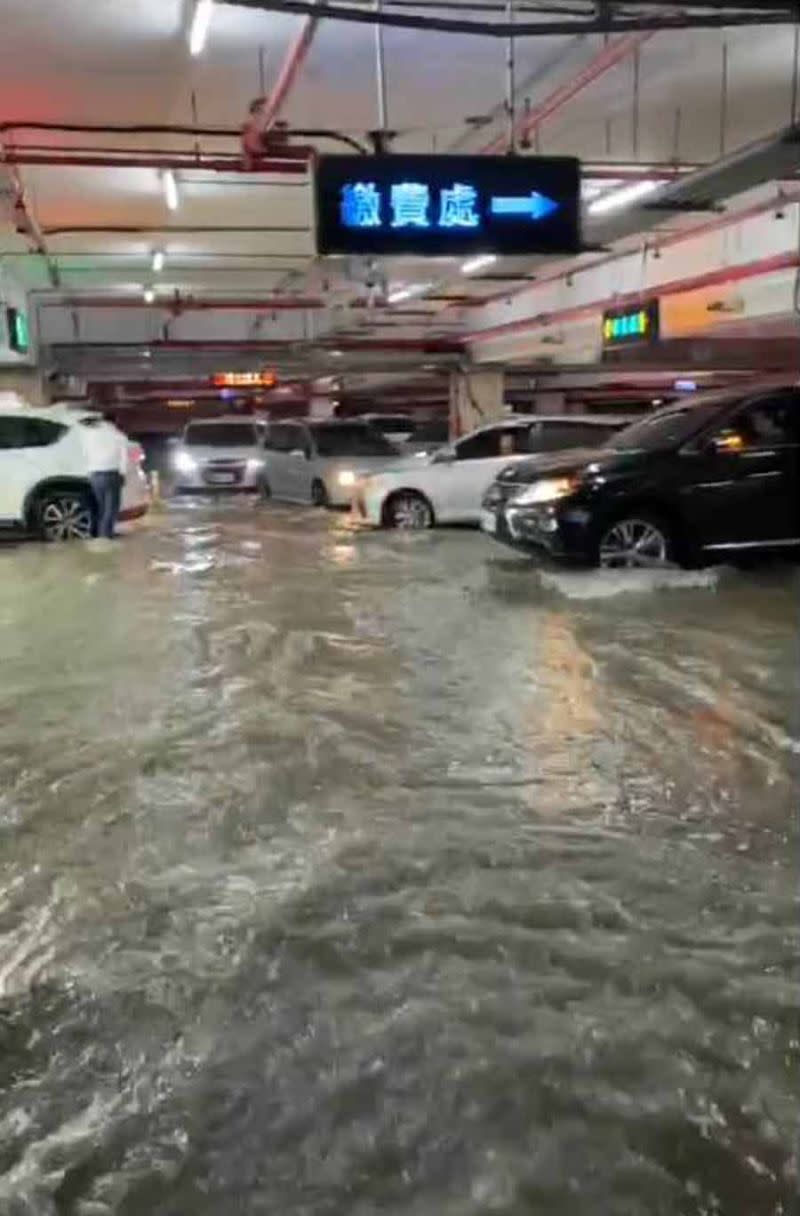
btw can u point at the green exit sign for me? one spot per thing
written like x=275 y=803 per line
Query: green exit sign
x=18 y=334
x=623 y=326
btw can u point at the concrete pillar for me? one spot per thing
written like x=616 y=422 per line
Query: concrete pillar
x=27 y=381
x=476 y=397
x=551 y=402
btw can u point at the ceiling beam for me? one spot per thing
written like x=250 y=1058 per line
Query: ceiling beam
x=604 y=20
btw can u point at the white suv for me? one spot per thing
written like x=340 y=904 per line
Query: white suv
x=220 y=454
x=44 y=481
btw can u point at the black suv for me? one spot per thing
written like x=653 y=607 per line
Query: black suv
x=713 y=475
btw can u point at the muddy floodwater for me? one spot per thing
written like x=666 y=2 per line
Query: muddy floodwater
x=347 y=874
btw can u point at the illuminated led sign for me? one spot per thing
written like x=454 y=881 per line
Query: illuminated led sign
x=440 y=205
x=18 y=335
x=621 y=327
x=244 y=379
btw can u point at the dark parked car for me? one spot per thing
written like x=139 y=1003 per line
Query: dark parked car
x=714 y=475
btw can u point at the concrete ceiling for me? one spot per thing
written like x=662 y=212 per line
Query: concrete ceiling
x=249 y=237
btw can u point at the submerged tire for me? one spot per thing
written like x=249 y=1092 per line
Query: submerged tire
x=639 y=541
x=408 y=510
x=319 y=495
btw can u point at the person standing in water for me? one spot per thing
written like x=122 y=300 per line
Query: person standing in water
x=106 y=453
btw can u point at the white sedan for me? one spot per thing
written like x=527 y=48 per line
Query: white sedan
x=447 y=488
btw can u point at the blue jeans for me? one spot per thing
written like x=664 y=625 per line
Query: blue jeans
x=107 y=489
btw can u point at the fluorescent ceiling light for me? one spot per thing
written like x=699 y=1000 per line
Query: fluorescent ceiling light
x=199 y=28
x=622 y=197
x=591 y=189
x=158 y=261
x=171 y=190
x=407 y=293
x=149 y=295
x=478 y=263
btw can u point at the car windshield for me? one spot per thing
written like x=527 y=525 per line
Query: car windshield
x=346 y=440
x=394 y=425
x=221 y=435
x=668 y=427
x=433 y=431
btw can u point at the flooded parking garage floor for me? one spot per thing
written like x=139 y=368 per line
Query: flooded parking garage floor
x=345 y=874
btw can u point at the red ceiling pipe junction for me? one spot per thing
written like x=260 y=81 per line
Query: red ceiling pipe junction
x=611 y=54
x=712 y=278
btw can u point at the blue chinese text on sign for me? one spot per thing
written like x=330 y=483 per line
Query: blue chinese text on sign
x=458 y=207
x=447 y=205
x=361 y=205
x=410 y=205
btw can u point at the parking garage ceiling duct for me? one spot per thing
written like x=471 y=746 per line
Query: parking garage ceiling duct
x=773 y=158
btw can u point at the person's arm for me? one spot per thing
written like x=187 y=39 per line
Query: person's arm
x=123 y=455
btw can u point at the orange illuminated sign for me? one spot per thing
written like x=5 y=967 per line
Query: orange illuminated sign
x=244 y=379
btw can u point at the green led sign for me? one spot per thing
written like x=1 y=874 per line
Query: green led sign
x=18 y=334
x=624 y=326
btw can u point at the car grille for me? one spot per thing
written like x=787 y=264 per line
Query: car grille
x=223 y=472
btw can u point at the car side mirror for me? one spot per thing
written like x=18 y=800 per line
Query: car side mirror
x=298 y=454
x=444 y=456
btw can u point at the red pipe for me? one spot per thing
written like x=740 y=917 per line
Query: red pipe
x=191 y=304
x=181 y=305
x=602 y=62
x=442 y=346
x=296 y=57
x=711 y=278
x=295 y=161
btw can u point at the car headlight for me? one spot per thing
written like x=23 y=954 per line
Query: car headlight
x=549 y=489
x=254 y=464
x=185 y=463
x=347 y=478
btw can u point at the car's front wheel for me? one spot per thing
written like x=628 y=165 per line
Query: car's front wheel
x=637 y=541
x=60 y=515
x=319 y=494
x=408 y=510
